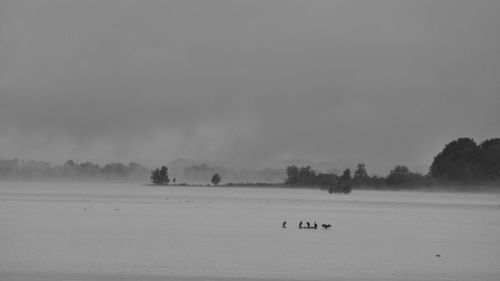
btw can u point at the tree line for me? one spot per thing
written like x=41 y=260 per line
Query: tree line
x=464 y=162
x=16 y=169
x=460 y=165
x=305 y=176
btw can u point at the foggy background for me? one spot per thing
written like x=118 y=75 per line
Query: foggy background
x=247 y=84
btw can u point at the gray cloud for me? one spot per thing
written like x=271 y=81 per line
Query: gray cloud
x=246 y=82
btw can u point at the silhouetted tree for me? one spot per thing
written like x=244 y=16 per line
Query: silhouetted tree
x=401 y=176
x=346 y=175
x=307 y=176
x=160 y=176
x=344 y=184
x=360 y=175
x=292 y=173
x=490 y=159
x=376 y=182
x=462 y=161
x=327 y=181
x=216 y=179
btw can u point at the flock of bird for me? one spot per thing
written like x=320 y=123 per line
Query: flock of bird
x=308 y=225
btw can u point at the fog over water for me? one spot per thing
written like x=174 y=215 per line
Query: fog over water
x=247 y=83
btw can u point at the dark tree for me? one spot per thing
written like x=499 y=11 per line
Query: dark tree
x=402 y=177
x=344 y=184
x=490 y=159
x=216 y=179
x=307 y=176
x=346 y=176
x=160 y=176
x=304 y=176
x=292 y=173
x=360 y=175
x=327 y=181
x=398 y=175
x=460 y=161
x=155 y=177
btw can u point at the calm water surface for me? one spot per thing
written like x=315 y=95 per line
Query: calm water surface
x=133 y=232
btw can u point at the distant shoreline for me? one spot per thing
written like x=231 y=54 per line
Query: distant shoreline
x=467 y=189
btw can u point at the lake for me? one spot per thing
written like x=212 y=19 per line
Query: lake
x=90 y=231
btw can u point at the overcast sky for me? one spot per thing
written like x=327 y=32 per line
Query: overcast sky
x=247 y=82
